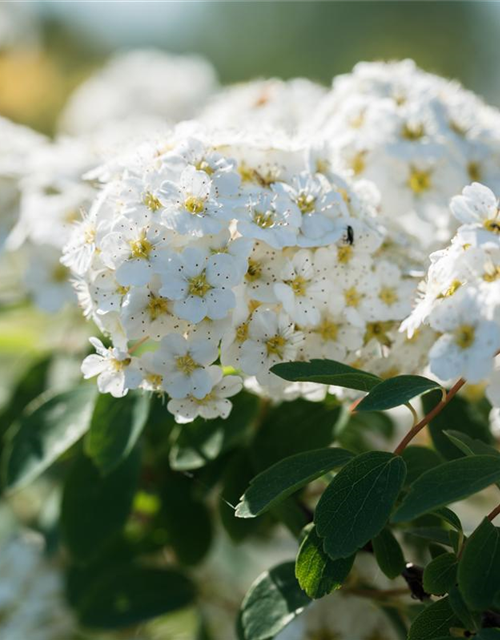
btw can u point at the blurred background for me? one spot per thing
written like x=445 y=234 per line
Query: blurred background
x=47 y=48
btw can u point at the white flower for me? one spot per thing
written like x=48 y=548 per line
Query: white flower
x=183 y=365
x=272 y=338
x=200 y=284
x=271 y=219
x=304 y=290
x=116 y=370
x=135 y=252
x=469 y=341
x=214 y=404
x=478 y=205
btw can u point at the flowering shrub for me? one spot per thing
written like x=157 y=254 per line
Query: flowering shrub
x=296 y=302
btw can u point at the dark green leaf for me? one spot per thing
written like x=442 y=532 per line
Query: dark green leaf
x=470 y=446
x=286 y=477
x=131 y=595
x=440 y=574
x=435 y=621
x=388 y=553
x=479 y=567
x=357 y=503
x=460 y=415
x=434 y=534
x=326 y=372
x=96 y=507
x=294 y=427
x=448 y=516
x=45 y=433
x=469 y=620
x=271 y=603
x=395 y=391
x=317 y=574
x=419 y=460
x=450 y=482
x=116 y=426
x=202 y=441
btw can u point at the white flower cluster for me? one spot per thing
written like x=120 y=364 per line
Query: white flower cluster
x=140 y=84
x=219 y=252
x=461 y=296
x=418 y=137
x=31 y=593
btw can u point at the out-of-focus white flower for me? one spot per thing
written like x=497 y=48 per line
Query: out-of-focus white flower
x=138 y=84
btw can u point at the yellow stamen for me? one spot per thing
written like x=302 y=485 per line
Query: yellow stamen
x=298 y=285
x=141 y=248
x=157 y=307
x=474 y=171
x=492 y=225
x=344 y=253
x=328 y=330
x=306 y=202
x=388 y=295
x=464 y=336
x=413 y=131
x=275 y=345
x=198 y=285
x=358 y=163
x=456 y=284
x=264 y=220
x=186 y=364
x=352 y=297
x=242 y=332
x=254 y=270
x=194 y=205
x=152 y=202
x=378 y=331
x=419 y=181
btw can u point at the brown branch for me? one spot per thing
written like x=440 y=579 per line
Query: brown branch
x=491 y=516
x=430 y=416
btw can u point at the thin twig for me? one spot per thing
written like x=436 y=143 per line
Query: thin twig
x=491 y=516
x=432 y=414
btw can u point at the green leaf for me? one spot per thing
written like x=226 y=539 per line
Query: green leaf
x=294 y=427
x=317 y=573
x=395 y=391
x=450 y=482
x=286 y=477
x=272 y=602
x=470 y=446
x=459 y=414
x=479 y=567
x=131 y=595
x=469 y=620
x=116 y=426
x=448 y=516
x=358 y=502
x=419 y=460
x=440 y=574
x=45 y=433
x=202 y=441
x=488 y=634
x=388 y=554
x=326 y=372
x=435 y=621
x=433 y=534
x=361 y=431
x=96 y=507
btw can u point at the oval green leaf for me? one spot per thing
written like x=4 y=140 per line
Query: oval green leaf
x=115 y=428
x=287 y=476
x=388 y=554
x=272 y=602
x=396 y=391
x=45 y=433
x=440 y=574
x=449 y=482
x=317 y=573
x=479 y=567
x=326 y=372
x=358 y=502
x=419 y=460
x=435 y=621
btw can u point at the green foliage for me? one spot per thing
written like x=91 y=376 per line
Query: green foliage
x=395 y=392
x=326 y=372
x=317 y=573
x=95 y=507
x=388 y=553
x=271 y=603
x=440 y=574
x=116 y=426
x=203 y=441
x=435 y=621
x=286 y=477
x=479 y=567
x=447 y=483
x=358 y=502
x=419 y=460
x=48 y=428
x=458 y=415
x=133 y=594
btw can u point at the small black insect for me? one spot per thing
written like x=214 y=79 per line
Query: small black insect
x=349 y=238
